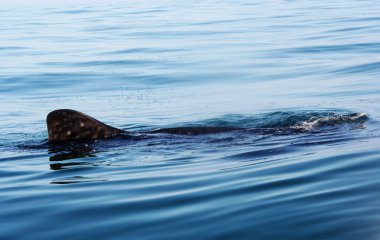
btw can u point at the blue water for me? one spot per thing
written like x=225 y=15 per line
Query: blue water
x=301 y=78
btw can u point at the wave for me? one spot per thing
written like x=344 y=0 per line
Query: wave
x=330 y=121
x=297 y=121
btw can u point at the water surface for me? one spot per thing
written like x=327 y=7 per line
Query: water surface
x=291 y=73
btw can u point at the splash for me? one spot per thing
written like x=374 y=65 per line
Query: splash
x=356 y=119
x=289 y=121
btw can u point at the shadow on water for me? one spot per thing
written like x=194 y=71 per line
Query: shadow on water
x=60 y=153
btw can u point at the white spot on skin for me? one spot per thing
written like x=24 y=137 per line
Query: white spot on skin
x=81 y=124
x=68 y=133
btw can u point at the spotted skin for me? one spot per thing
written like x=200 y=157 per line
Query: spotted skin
x=69 y=125
x=65 y=125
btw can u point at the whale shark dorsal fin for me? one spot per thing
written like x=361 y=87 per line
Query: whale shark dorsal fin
x=70 y=125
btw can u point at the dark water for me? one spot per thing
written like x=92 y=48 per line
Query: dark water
x=300 y=77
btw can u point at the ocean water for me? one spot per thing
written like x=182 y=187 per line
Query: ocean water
x=298 y=79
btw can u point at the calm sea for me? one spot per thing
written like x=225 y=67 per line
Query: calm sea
x=301 y=77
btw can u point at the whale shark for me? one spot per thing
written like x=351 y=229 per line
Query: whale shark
x=65 y=125
x=70 y=125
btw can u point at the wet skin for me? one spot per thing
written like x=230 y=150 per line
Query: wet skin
x=65 y=125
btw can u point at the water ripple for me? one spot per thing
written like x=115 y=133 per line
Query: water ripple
x=298 y=166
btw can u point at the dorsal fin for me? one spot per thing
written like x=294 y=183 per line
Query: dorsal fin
x=70 y=125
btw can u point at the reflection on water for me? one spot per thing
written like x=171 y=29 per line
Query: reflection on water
x=76 y=179
x=71 y=155
x=60 y=153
